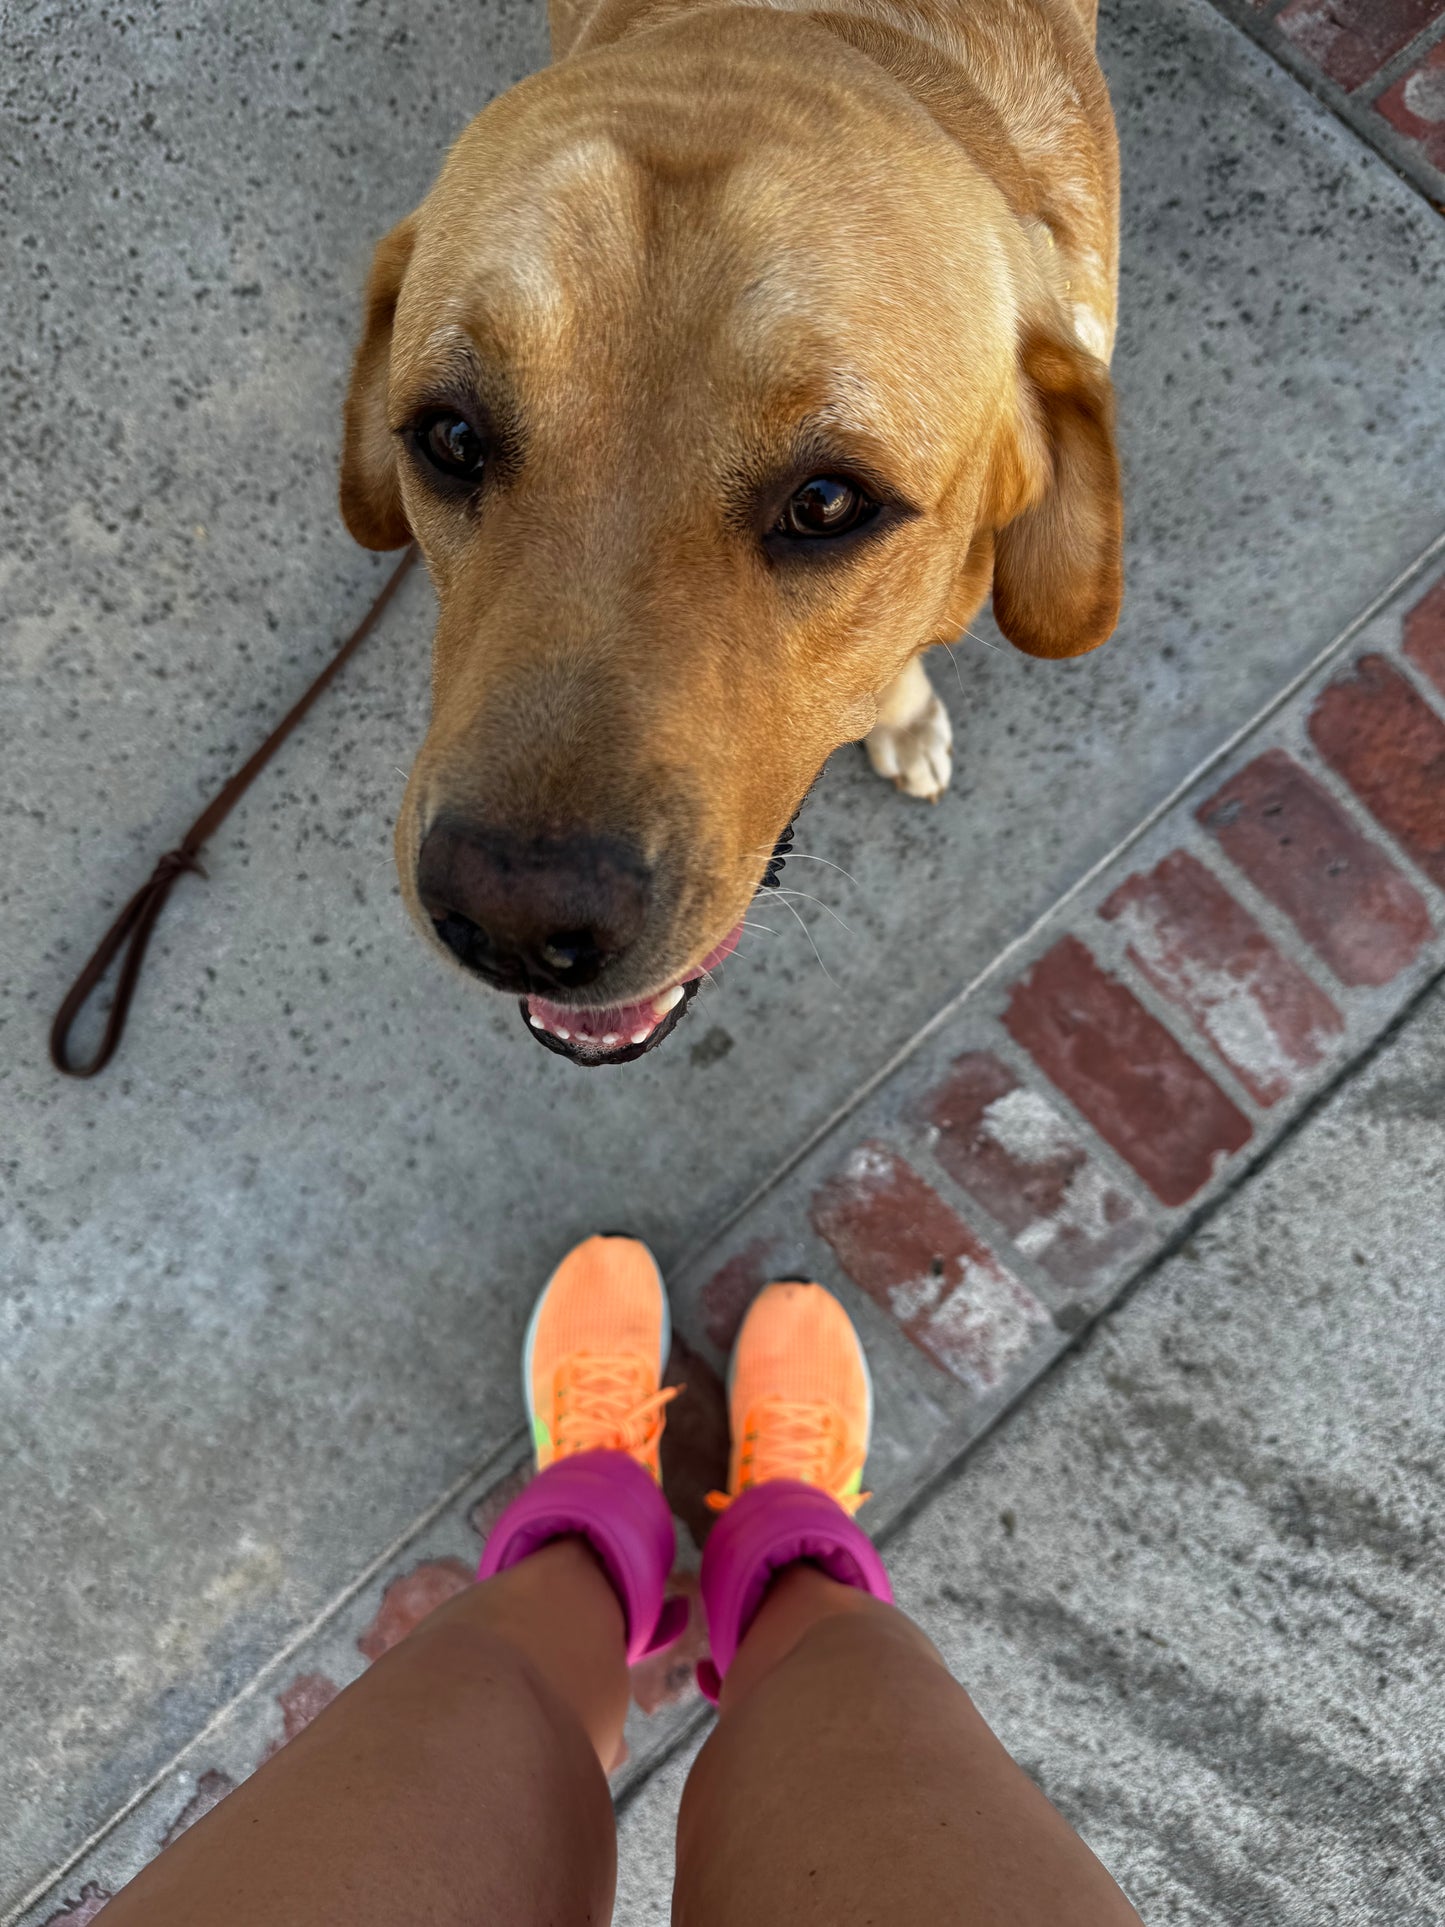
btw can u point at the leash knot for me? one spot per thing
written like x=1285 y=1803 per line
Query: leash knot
x=131 y=931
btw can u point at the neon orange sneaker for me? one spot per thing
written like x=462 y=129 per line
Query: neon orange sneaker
x=595 y=1352
x=799 y=1396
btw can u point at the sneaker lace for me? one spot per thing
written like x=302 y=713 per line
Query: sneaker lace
x=786 y=1440
x=605 y=1404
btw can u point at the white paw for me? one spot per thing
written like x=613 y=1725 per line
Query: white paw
x=916 y=757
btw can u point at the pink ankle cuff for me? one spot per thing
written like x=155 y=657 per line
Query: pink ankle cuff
x=613 y=1503
x=765 y=1530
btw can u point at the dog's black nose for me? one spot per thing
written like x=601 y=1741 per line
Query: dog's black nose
x=531 y=913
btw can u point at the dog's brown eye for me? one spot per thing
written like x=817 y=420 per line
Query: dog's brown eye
x=451 y=444
x=826 y=505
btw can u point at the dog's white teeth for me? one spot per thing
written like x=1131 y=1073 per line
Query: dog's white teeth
x=669 y=1000
x=641 y=1036
x=535 y=1022
x=611 y=1038
x=565 y=1035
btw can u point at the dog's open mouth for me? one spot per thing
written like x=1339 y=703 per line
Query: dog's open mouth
x=592 y=1037
x=617 y=1036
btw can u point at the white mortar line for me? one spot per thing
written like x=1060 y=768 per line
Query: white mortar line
x=336 y=1604
x=948 y=1010
x=1429 y=691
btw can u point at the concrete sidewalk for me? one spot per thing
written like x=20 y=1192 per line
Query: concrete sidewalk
x=266 y=1279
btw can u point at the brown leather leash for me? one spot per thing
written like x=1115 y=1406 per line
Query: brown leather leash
x=132 y=929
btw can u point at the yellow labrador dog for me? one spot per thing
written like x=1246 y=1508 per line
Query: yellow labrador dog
x=732 y=360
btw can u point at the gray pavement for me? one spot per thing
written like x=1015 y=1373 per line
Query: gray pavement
x=1194 y=1581
x=264 y=1281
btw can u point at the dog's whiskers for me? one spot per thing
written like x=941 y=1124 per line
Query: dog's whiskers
x=812 y=899
x=816 y=951
x=808 y=857
x=956 y=670
x=983 y=643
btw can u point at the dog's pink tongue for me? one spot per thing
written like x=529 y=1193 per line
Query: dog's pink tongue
x=607 y=1029
x=624 y=1023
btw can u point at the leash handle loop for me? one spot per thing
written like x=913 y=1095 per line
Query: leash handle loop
x=131 y=931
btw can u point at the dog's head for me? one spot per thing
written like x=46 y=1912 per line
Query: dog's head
x=713 y=380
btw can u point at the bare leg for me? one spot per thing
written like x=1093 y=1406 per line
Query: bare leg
x=459 y=1780
x=851 y=1780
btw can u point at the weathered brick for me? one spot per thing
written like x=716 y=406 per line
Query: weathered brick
x=211 y=1788
x=1009 y=1148
x=1339 y=889
x=1389 y=746
x=733 y=1287
x=410 y=1599
x=1207 y=956
x=79 y=1913
x=485 y=1512
x=300 y=1702
x=1425 y=631
x=695 y=1442
x=916 y=1257
x=1138 y=1087
x=1415 y=105
x=1350 y=40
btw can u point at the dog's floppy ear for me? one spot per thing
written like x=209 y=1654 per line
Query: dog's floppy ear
x=370 y=492
x=1058 y=575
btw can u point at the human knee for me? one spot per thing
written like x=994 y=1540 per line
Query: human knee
x=466 y=1673
x=865 y=1635
x=839 y=1626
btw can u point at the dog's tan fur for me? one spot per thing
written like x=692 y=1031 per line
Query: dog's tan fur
x=709 y=247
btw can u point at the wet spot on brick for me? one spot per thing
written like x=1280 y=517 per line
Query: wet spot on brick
x=490 y=1507
x=666 y=1678
x=1208 y=957
x=1350 y=40
x=1389 y=746
x=300 y=1702
x=410 y=1599
x=1339 y=889
x=695 y=1441
x=914 y=1255
x=211 y=1789
x=1138 y=1087
x=78 y=1913
x=1425 y=626
x=1415 y=107
x=1009 y=1148
x=733 y=1287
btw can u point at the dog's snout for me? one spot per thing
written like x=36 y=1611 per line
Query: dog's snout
x=532 y=913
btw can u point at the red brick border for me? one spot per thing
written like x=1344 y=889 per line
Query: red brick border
x=1204 y=952
x=914 y=1256
x=1380 y=64
x=1009 y=1148
x=1351 y=40
x=1350 y=903
x=1389 y=746
x=1113 y=1059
